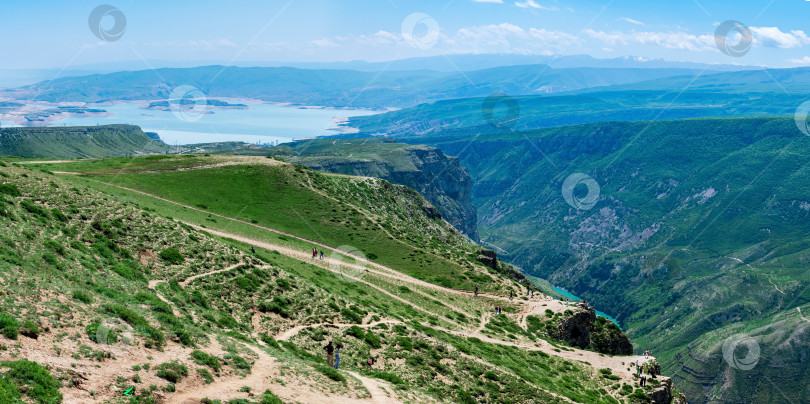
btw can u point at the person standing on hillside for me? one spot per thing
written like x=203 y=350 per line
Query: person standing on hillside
x=476 y=291
x=330 y=354
x=511 y=294
x=321 y=254
x=338 y=348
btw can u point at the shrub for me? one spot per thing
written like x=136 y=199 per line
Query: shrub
x=82 y=296
x=34 y=209
x=206 y=375
x=172 y=256
x=331 y=373
x=356 y=332
x=10 y=190
x=30 y=329
x=351 y=316
x=389 y=377
x=238 y=362
x=172 y=371
x=283 y=283
x=9 y=326
x=268 y=340
x=202 y=358
x=269 y=398
x=373 y=340
x=34 y=380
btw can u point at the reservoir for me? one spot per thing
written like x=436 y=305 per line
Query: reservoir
x=571 y=296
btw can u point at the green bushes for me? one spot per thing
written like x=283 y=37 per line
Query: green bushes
x=202 y=358
x=331 y=373
x=269 y=398
x=283 y=283
x=268 y=340
x=238 y=362
x=9 y=326
x=138 y=322
x=356 y=332
x=279 y=305
x=351 y=316
x=10 y=190
x=34 y=209
x=172 y=256
x=373 y=340
x=206 y=375
x=31 y=379
x=30 y=329
x=389 y=377
x=172 y=371
x=82 y=296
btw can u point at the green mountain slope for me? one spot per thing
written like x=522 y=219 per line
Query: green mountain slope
x=440 y=179
x=111 y=295
x=699 y=232
x=78 y=141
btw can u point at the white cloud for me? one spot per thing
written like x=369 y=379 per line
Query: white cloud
x=805 y=61
x=324 y=43
x=669 y=40
x=533 y=4
x=495 y=1
x=636 y=22
x=773 y=37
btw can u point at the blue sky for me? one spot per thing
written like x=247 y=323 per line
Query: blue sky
x=52 y=34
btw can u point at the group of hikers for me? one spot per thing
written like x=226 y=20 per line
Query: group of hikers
x=315 y=253
x=333 y=356
x=647 y=368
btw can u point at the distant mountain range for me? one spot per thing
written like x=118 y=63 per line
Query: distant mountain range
x=774 y=92
x=336 y=88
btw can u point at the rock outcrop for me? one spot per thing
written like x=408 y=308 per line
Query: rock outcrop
x=488 y=258
x=585 y=330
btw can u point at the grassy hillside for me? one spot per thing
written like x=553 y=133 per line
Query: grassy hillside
x=111 y=296
x=700 y=232
x=78 y=142
x=334 y=210
x=439 y=178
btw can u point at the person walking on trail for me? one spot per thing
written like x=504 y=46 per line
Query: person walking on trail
x=330 y=354
x=511 y=294
x=532 y=293
x=338 y=348
x=321 y=254
x=476 y=291
x=314 y=252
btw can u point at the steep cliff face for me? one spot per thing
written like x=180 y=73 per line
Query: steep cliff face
x=441 y=179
